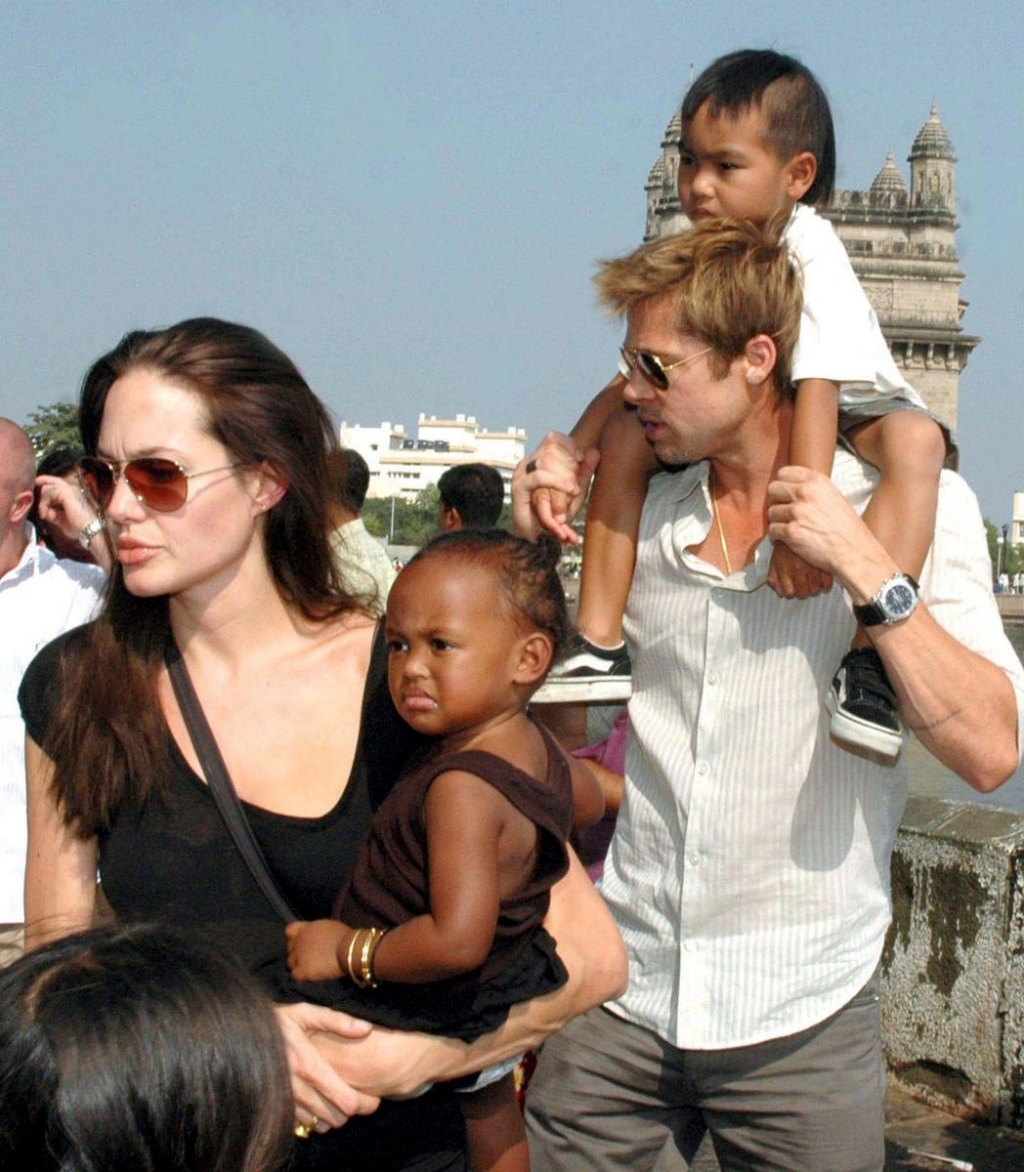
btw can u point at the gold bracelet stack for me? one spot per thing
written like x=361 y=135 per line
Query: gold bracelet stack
x=365 y=941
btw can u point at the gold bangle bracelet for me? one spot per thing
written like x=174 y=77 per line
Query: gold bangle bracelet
x=364 y=936
x=368 y=974
x=350 y=955
x=365 y=974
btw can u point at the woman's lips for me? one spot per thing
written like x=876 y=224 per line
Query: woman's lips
x=131 y=553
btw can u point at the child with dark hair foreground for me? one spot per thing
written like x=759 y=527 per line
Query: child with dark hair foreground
x=758 y=144
x=139 y=1048
x=439 y=928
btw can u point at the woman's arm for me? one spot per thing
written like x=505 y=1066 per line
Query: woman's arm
x=60 y=872
x=396 y=1064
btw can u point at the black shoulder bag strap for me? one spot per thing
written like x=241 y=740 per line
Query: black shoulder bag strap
x=220 y=785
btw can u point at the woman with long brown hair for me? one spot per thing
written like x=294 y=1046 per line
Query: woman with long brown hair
x=208 y=454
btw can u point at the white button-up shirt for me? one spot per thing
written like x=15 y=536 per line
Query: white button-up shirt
x=40 y=598
x=749 y=872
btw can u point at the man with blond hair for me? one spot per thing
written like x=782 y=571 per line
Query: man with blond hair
x=749 y=870
x=41 y=596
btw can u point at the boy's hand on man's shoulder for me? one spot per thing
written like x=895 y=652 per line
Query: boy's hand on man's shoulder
x=791 y=577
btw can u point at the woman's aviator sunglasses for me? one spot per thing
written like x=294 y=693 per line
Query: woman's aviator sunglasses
x=160 y=484
x=651 y=366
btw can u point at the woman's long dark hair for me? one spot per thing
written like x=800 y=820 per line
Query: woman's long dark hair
x=109 y=739
x=139 y=1048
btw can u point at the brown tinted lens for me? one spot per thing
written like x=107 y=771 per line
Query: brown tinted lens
x=651 y=369
x=98 y=479
x=158 y=483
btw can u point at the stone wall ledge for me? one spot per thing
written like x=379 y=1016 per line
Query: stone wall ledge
x=953 y=965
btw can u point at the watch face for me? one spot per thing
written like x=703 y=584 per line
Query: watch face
x=898 y=601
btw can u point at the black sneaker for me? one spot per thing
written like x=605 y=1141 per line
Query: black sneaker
x=587 y=672
x=863 y=705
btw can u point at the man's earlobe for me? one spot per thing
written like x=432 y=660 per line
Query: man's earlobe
x=21 y=506
x=760 y=355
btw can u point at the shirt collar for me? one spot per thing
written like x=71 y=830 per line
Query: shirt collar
x=694 y=523
x=28 y=563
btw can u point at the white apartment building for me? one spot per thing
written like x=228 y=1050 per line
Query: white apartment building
x=402 y=466
x=1017 y=524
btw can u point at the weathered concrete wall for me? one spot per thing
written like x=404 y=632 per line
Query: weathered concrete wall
x=953 y=992
x=1011 y=607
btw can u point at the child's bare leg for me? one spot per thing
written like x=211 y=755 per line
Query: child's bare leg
x=909 y=450
x=613 y=522
x=494 y=1128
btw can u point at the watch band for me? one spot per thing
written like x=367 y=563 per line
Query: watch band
x=874 y=613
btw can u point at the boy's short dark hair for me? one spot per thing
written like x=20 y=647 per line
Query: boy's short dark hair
x=349 y=478
x=796 y=112
x=476 y=491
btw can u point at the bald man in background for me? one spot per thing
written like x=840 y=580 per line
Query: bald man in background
x=41 y=596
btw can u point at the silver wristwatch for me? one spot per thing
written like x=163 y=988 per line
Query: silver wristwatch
x=96 y=525
x=896 y=599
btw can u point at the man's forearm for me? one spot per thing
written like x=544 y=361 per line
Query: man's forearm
x=960 y=706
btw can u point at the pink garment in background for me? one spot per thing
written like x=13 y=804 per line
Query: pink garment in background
x=592 y=843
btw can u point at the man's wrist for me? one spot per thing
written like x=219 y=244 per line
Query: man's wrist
x=895 y=599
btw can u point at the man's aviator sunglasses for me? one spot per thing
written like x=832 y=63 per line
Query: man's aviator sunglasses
x=651 y=366
x=160 y=484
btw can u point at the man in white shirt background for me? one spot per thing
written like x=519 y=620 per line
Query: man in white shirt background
x=749 y=872
x=41 y=596
x=366 y=569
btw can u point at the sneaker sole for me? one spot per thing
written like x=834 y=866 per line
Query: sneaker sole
x=586 y=690
x=849 y=730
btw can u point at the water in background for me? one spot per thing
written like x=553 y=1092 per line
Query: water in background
x=928 y=777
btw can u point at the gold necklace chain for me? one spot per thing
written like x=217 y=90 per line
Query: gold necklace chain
x=718 y=521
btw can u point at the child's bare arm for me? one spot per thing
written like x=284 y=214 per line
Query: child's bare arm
x=464 y=819
x=812 y=445
x=612 y=786
x=587 y=796
x=313 y=949
x=554 y=507
x=587 y=429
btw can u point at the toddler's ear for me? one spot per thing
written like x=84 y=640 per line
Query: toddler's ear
x=534 y=659
x=802 y=170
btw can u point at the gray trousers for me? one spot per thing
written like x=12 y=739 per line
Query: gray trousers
x=610 y=1096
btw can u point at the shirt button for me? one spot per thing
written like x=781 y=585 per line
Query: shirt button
x=694 y=859
x=702 y=769
x=712 y=677
x=689 y=945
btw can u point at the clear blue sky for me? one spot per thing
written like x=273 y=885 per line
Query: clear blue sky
x=409 y=197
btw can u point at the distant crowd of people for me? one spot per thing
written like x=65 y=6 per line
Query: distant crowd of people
x=286 y=847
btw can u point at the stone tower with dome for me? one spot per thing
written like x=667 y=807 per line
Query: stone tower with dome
x=902 y=246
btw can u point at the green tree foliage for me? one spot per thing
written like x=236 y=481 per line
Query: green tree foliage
x=1012 y=559
x=403 y=522
x=415 y=522
x=53 y=426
